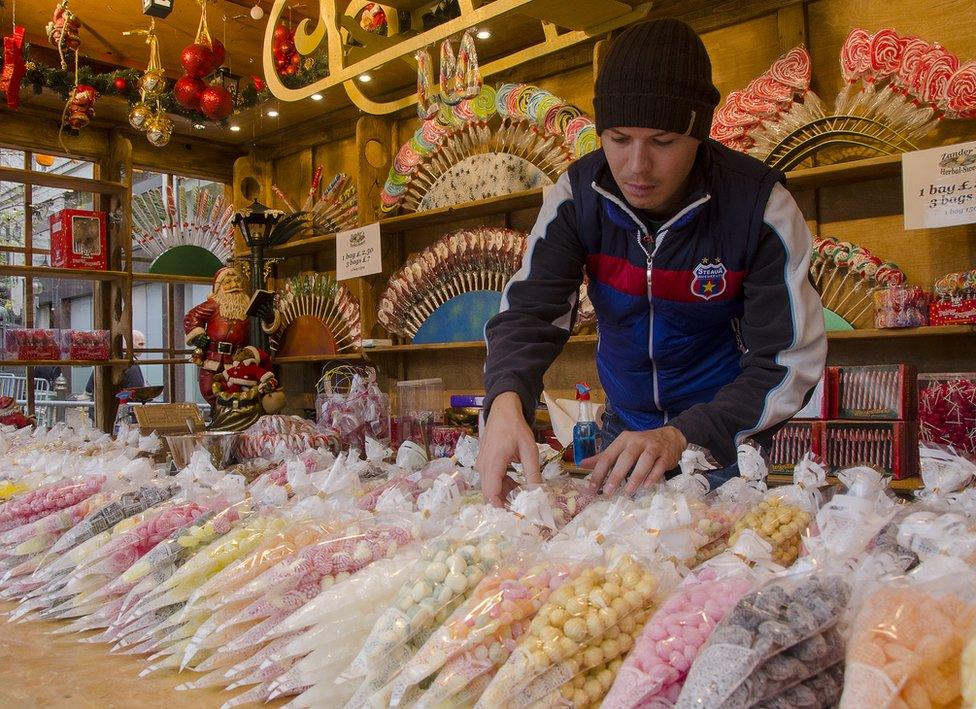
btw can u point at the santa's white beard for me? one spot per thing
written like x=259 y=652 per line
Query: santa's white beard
x=232 y=306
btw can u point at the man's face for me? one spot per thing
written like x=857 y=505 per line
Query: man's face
x=138 y=341
x=650 y=166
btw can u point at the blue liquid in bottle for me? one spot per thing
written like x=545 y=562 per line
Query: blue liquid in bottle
x=585 y=431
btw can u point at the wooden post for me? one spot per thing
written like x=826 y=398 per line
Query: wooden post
x=113 y=299
x=791 y=23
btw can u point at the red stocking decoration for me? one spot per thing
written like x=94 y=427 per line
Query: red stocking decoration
x=13 y=67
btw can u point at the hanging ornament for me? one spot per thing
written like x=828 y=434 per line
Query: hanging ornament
x=216 y=102
x=219 y=54
x=81 y=106
x=427 y=104
x=257 y=13
x=286 y=56
x=159 y=128
x=197 y=60
x=139 y=115
x=187 y=91
x=152 y=83
x=120 y=84
x=468 y=74
x=13 y=67
x=63 y=31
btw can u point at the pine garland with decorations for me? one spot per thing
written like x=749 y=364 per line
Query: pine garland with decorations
x=124 y=83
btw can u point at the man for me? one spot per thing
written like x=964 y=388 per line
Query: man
x=132 y=377
x=697 y=256
x=218 y=327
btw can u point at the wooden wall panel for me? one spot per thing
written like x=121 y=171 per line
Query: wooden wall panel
x=293 y=176
x=741 y=52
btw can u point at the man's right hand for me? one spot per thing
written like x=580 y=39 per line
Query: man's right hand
x=506 y=438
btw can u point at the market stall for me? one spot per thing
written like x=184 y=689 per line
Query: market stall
x=264 y=436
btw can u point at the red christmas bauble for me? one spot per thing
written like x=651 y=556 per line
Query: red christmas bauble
x=295 y=60
x=187 y=91
x=196 y=59
x=258 y=83
x=287 y=47
x=281 y=32
x=216 y=102
x=219 y=54
x=291 y=70
x=120 y=84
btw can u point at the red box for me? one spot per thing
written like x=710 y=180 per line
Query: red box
x=792 y=442
x=952 y=312
x=890 y=446
x=78 y=239
x=875 y=392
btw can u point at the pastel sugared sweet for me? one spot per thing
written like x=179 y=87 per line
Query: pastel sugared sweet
x=664 y=652
x=778 y=523
x=566 y=638
x=906 y=648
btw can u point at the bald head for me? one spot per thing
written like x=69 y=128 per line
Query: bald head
x=138 y=340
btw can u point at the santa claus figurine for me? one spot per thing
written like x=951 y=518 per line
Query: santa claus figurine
x=218 y=327
x=245 y=390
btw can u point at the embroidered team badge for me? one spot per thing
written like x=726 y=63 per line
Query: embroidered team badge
x=709 y=279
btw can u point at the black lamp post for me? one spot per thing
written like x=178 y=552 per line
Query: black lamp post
x=257 y=226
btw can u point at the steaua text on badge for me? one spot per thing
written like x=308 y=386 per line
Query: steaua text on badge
x=708 y=279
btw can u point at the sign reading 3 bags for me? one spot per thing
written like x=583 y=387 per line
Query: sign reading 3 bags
x=358 y=252
x=939 y=186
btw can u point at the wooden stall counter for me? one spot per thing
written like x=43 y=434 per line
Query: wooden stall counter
x=38 y=669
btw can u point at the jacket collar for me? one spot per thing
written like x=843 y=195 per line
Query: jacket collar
x=626 y=217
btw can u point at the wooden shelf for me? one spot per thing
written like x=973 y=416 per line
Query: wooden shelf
x=166 y=278
x=469 y=210
x=843 y=173
x=900 y=486
x=469 y=345
x=163 y=360
x=299 y=247
x=311 y=359
x=68 y=273
x=65 y=362
x=904 y=332
x=65 y=182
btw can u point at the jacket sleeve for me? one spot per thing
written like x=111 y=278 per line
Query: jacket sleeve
x=783 y=334
x=538 y=305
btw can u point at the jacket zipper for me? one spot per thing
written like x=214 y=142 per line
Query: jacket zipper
x=642 y=235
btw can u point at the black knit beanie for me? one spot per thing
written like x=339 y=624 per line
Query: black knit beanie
x=656 y=75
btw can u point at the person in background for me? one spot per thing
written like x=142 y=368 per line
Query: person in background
x=131 y=377
x=711 y=332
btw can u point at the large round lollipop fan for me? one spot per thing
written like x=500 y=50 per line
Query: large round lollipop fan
x=186 y=234
x=449 y=290
x=314 y=315
x=846 y=275
x=515 y=139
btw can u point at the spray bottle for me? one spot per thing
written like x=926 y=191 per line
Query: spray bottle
x=585 y=430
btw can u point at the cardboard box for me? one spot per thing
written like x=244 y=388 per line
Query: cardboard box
x=952 y=312
x=794 y=440
x=78 y=239
x=876 y=392
x=890 y=446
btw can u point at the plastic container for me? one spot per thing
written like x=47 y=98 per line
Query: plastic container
x=93 y=345
x=32 y=344
x=420 y=405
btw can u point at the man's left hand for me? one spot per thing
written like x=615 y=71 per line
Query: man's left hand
x=649 y=453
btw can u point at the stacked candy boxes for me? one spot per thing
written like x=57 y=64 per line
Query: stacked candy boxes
x=857 y=415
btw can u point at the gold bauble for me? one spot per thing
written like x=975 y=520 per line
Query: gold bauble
x=159 y=128
x=139 y=115
x=153 y=82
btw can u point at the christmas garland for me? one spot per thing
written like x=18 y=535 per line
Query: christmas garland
x=124 y=83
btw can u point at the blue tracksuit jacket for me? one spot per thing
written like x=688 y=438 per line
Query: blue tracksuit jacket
x=711 y=324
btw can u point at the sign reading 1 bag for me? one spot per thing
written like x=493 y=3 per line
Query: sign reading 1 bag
x=358 y=252
x=939 y=186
